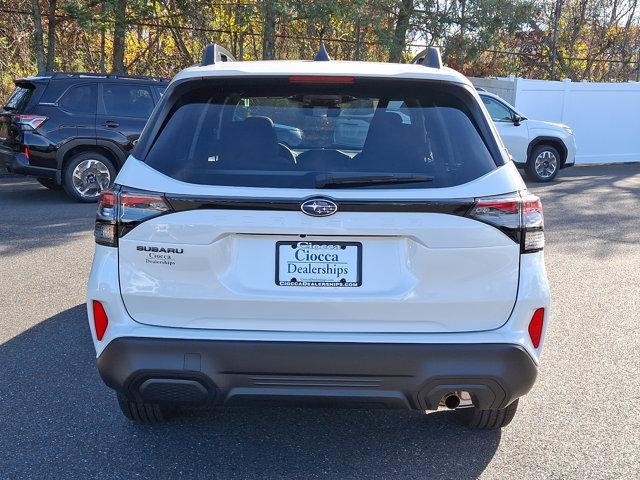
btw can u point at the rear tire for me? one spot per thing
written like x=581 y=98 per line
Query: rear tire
x=87 y=175
x=49 y=183
x=479 y=419
x=543 y=164
x=143 y=413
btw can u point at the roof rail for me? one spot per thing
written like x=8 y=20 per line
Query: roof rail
x=214 y=53
x=429 y=58
x=102 y=75
x=322 y=55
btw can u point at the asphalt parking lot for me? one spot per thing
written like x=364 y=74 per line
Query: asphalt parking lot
x=582 y=420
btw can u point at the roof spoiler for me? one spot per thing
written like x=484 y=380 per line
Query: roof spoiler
x=214 y=53
x=429 y=58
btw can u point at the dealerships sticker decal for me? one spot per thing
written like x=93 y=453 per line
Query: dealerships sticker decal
x=160 y=255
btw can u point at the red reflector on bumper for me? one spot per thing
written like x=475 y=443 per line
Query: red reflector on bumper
x=535 y=327
x=100 y=319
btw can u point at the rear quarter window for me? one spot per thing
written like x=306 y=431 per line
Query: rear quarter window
x=274 y=133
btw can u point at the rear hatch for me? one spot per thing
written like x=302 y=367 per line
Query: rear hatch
x=18 y=103
x=224 y=228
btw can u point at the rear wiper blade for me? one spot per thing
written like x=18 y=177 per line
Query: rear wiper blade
x=330 y=180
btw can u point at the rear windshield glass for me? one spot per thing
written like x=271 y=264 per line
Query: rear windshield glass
x=291 y=133
x=19 y=99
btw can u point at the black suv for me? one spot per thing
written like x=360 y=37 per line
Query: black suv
x=75 y=130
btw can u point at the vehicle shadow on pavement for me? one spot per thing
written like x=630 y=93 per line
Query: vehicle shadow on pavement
x=33 y=217
x=60 y=421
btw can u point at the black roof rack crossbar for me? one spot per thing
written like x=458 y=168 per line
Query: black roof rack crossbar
x=214 y=53
x=429 y=58
x=102 y=75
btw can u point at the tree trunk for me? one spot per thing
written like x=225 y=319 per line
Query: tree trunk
x=269 y=32
x=103 y=40
x=554 y=41
x=119 y=32
x=38 y=39
x=103 y=53
x=51 y=36
x=358 y=55
x=400 y=34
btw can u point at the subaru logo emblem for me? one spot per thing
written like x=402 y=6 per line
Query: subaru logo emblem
x=319 y=207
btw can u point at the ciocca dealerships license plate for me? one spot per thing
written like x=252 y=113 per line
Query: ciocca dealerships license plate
x=318 y=264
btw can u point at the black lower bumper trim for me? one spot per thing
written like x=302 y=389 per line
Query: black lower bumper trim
x=19 y=163
x=411 y=376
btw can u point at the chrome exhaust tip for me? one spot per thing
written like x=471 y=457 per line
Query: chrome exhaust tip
x=452 y=401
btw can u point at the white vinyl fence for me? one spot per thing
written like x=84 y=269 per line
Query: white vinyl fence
x=605 y=117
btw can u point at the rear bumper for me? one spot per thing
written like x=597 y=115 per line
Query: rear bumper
x=220 y=372
x=19 y=163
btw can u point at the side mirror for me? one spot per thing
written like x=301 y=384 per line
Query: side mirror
x=516 y=120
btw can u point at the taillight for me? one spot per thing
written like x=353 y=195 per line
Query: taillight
x=517 y=215
x=121 y=209
x=533 y=224
x=105 y=231
x=136 y=206
x=31 y=122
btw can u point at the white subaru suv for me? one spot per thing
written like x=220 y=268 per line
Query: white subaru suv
x=404 y=271
x=541 y=148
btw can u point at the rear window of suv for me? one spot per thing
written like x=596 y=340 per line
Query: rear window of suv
x=294 y=132
x=19 y=99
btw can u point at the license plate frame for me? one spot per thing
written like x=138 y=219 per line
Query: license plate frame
x=351 y=283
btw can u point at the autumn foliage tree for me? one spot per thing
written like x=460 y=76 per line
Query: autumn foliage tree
x=594 y=39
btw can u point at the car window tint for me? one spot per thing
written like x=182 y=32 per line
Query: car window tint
x=80 y=99
x=19 y=99
x=127 y=100
x=271 y=133
x=498 y=112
